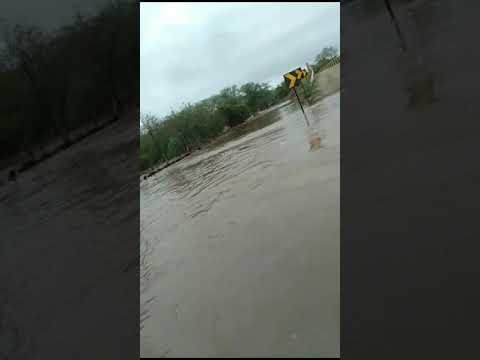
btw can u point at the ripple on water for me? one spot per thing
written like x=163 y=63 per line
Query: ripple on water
x=189 y=190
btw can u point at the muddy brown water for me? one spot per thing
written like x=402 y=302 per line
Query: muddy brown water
x=240 y=243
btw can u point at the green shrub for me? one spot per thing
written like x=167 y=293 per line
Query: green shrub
x=234 y=114
x=307 y=87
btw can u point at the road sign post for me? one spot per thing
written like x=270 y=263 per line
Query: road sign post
x=306 y=119
x=293 y=78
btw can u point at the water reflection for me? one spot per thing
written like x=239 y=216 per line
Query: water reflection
x=425 y=24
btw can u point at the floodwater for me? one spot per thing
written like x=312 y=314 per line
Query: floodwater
x=240 y=245
x=68 y=249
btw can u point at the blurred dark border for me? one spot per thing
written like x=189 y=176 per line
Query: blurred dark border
x=409 y=179
x=69 y=180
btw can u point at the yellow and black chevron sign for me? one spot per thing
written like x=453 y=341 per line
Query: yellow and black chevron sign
x=293 y=77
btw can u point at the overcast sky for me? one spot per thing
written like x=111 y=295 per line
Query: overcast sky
x=190 y=51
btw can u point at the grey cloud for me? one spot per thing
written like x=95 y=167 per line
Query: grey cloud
x=236 y=44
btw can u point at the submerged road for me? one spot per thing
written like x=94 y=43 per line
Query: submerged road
x=240 y=244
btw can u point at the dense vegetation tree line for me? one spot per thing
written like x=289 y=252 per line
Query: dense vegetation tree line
x=184 y=130
x=326 y=55
x=52 y=83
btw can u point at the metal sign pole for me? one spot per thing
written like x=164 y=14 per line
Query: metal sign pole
x=306 y=120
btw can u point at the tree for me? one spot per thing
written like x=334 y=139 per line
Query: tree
x=174 y=147
x=325 y=56
x=234 y=113
x=327 y=53
x=257 y=96
x=280 y=92
x=52 y=83
x=27 y=49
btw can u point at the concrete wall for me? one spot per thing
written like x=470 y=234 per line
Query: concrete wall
x=326 y=82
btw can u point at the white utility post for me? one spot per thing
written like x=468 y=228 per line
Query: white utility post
x=310 y=70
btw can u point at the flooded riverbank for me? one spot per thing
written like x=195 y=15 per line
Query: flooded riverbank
x=240 y=243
